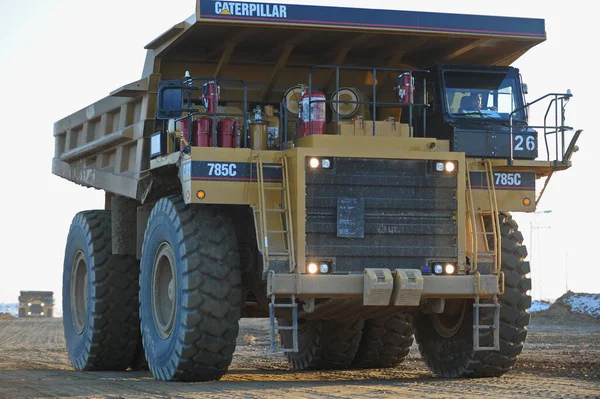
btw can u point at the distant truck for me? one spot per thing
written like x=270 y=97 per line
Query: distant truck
x=36 y=304
x=348 y=173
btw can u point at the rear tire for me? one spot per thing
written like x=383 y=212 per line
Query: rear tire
x=323 y=344
x=385 y=342
x=190 y=290
x=100 y=301
x=452 y=355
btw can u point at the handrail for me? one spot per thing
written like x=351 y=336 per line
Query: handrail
x=373 y=103
x=557 y=128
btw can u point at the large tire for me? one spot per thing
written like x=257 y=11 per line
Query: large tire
x=50 y=313
x=385 y=342
x=100 y=297
x=22 y=312
x=453 y=356
x=322 y=344
x=190 y=290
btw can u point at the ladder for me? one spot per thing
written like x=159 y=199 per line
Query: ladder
x=265 y=230
x=294 y=327
x=262 y=220
x=476 y=218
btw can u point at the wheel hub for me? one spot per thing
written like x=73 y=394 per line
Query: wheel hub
x=164 y=290
x=449 y=322
x=79 y=292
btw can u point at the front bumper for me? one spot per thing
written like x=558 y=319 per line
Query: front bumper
x=356 y=286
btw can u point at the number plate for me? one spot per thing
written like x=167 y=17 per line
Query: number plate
x=505 y=180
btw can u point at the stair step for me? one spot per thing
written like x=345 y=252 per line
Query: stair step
x=275 y=210
x=487 y=348
x=279 y=253
x=276 y=327
x=486 y=305
x=283 y=305
x=277 y=231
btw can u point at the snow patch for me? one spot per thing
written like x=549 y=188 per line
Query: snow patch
x=584 y=304
x=538 y=306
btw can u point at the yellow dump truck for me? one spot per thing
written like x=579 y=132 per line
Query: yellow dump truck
x=348 y=173
x=36 y=303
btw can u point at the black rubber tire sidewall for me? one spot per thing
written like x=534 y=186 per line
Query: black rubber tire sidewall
x=204 y=247
x=107 y=341
x=79 y=345
x=160 y=229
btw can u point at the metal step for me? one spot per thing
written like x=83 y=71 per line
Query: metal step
x=294 y=327
x=477 y=326
x=279 y=253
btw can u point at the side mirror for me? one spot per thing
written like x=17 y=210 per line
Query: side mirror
x=170 y=100
x=525 y=89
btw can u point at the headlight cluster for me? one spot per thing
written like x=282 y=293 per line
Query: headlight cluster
x=319 y=163
x=439 y=268
x=447 y=167
x=320 y=267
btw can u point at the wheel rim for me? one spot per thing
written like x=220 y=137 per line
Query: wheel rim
x=164 y=290
x=449 y=322
x=79 y=292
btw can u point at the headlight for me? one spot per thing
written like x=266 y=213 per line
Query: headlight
x=450 y=269
x=324 y=268
x=438 y=268
x=42 y=313
x=439 y=166
x=450 y=166
x=314 y=163
x=43 y=304
x=313 y=268
x=326 y=163
x=28 y=313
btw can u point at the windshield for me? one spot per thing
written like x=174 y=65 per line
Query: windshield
x=482 y=94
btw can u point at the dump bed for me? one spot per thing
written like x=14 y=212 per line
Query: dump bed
x=271 y=47
x=29 y=296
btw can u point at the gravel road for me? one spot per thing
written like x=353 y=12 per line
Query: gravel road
x=561 y=360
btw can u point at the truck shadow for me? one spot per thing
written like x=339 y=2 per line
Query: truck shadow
x=238 y=383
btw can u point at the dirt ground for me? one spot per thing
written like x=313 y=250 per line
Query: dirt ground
x=561 y=360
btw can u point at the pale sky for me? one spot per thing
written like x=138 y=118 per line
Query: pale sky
x=57 y=57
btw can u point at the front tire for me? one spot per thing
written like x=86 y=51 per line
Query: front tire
x=446 y=340
x=190 y=290
x=100 y=301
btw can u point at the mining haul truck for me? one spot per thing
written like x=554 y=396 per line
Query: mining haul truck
x=36 y=303
x=348 y=174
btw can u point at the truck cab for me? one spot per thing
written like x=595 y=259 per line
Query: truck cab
x=476 y=108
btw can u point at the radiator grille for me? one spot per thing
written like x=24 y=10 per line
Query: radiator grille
x=408 y=214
